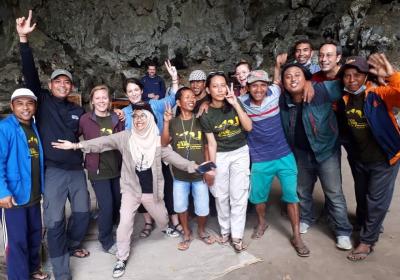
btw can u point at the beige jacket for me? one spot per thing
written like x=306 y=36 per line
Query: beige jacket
x=129 y=180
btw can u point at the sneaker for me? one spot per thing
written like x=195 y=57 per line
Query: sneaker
x=171 y=232
x=304 y=228
x=113 y=249
x=119 y=269
x=343 y=242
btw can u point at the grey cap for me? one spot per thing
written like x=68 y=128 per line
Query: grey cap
x=59 y=72
x=23 y=92
x=197 y=75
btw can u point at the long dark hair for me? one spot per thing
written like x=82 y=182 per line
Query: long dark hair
x=227 y=107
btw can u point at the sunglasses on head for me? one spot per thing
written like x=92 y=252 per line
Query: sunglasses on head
x=212 y=74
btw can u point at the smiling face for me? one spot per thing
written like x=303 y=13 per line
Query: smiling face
x=303 y=53
x=258 y=90
x=241 y=73
x=61 y=86
x=100 y=101
x=294 y=80
x=352 y=79
x=198 y=86
x=134 y=93
x=187 y=101
x=328 y=58
x=23 y=108
x=217 y=88
x=140 y=119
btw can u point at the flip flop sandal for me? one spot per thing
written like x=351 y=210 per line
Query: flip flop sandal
x=302 y=251
x=359 y=256
x=258 y=233
x=207 y=239
x=146 y=231
x=39 y=275
x=80 y=253
x=238 y=246
x=185 y=244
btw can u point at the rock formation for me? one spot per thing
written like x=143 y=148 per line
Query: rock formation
x=104 y=41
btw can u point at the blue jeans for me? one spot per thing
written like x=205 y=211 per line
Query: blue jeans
x=330 y=176
x=374 y=186
x=200 y=197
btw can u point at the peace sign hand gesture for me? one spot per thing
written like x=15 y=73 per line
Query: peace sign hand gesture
x=230 y=96
x=24 y=26
x=168 y=115
x=171 y=70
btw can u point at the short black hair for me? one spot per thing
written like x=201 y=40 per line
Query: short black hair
x=307 y=73
x=302 y=41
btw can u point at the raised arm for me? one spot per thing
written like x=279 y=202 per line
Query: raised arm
x=279 y=61
x=165 y=136
x=381 y=67
x=245 y=121
x=24 y=28
x=159 y=105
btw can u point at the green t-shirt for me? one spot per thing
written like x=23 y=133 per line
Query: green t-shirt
x=366 y=148
x=109 y=164
x=188 y=141
x=33 y=144
x=228 y=131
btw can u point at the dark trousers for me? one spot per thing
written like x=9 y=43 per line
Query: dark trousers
x=108 y=195
x=374 y=186
x=61 y=185
x=168 y=189
x=24 y=234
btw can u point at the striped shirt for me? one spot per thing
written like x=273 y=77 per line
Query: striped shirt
x=266 y=140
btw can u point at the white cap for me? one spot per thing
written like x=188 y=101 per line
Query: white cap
x=23 y=92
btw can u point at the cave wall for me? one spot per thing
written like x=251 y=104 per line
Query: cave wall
x=104 y=41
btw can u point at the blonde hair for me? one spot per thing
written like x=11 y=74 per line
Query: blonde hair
x=97 y=88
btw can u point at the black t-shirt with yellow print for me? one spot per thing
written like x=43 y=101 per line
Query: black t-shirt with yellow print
x=366 y=148
x=226 y=127
x=33 y=144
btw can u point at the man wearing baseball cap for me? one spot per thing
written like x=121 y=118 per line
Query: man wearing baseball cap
x=375 y=138
x=21 y=186
x=64 y=176
x=270 y=155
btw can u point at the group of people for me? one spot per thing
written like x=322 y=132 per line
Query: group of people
x=230 y=142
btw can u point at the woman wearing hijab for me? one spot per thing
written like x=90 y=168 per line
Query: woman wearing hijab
x=141 y=151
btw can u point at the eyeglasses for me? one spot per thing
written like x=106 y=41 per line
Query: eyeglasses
x=328 y=55
x=139 y=117
x=212 y=74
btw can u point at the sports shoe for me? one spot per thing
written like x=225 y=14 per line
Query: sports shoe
x=119 y=269
x=304 y=228
x=113 y=249
x=343 y=242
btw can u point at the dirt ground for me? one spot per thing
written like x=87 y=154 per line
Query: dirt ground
x=280 y=261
